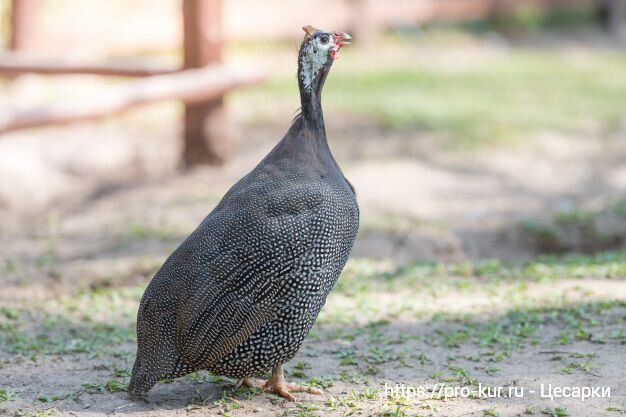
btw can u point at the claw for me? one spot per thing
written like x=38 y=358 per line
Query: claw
x=278 y=385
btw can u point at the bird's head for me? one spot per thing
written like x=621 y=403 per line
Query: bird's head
x=318 y=51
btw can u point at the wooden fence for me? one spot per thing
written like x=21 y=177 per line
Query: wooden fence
x=201 y=82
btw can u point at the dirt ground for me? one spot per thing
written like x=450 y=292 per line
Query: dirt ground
x=73 y=277
x=444 y=288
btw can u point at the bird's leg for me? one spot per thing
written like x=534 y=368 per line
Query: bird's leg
x=249 y=383
x=278 y=385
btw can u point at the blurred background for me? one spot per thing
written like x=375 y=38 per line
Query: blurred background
x=472 y=128
x=486 y=140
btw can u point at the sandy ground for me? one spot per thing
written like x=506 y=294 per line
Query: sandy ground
x=415 y=205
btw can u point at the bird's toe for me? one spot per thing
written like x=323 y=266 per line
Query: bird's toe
x=249 y=383
x=285 y=390
x=281 y=389
x=304 y=388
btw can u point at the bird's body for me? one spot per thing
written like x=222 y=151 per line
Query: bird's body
x=243 y=290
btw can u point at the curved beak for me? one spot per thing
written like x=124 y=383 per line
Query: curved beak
x=342 y=38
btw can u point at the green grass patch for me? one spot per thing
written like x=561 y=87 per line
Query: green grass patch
x=555 y=412
x=366 y=275
x=523 y=326
x=581 y=230
x=89 y=321
x=504 y=98
x=6 y=395
x=619 y=409
x=531 y=17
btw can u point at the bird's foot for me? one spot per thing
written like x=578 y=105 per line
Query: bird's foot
x=279 y=386
x=285 y=390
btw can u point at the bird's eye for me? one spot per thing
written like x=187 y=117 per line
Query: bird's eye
x=324 y=39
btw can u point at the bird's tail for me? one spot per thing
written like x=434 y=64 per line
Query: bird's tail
x=143 y=377
x=141 y=380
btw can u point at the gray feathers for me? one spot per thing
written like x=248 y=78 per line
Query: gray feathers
x=243 y=290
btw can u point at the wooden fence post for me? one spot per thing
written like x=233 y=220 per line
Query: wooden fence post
x=611 y=13
x=22 y=22
x=207 y=135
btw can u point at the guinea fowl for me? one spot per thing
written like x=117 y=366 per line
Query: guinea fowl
x=240 y=294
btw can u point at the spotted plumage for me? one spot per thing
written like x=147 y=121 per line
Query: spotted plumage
x=240 y=294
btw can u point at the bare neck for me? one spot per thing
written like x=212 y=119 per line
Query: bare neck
x=311 y=101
